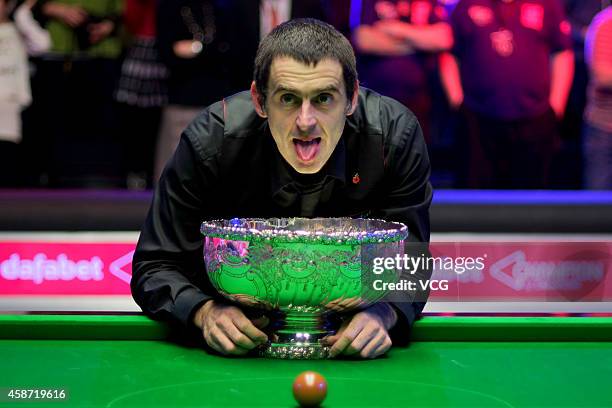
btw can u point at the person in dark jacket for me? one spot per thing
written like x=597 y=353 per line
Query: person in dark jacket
x=307 y=141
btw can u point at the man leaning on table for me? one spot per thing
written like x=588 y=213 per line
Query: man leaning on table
x=305 y=141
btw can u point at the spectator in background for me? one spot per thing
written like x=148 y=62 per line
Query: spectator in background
x=193 y=42
x=209 y=47
x=14 y=94
x=84 y=26
x=141 y=93
x=566 y=169
x=78 y=78
x=394 y=41
x=511 y=73
x=597 y=134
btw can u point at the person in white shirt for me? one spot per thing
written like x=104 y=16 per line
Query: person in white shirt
x=14 y=78
x=15 y=94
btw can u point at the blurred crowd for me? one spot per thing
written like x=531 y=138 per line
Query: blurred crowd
x=510 y=93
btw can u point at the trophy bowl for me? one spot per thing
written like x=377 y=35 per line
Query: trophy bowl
x=301 y=271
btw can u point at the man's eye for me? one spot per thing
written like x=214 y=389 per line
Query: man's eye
x=288 y=99
x=324 y=99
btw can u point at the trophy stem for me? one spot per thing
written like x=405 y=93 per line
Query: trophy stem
x=298 y=337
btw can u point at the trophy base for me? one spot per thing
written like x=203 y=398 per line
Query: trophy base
x=296 y=351
x=297 y=335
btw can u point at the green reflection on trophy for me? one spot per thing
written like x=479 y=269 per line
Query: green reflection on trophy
x=306 y=269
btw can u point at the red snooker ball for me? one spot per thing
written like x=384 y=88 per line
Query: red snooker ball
x=309 y=389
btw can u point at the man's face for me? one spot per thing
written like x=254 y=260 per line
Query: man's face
x=306 y=109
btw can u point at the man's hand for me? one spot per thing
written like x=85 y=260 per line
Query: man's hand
x=99 y=31
x=227 y=330
x=365 y=334
x=394 y=28
x=184 y=49
x=72 y=16
x=30 y=3
x=370 y=40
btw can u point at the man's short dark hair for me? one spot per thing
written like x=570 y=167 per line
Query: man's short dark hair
x=308 y=41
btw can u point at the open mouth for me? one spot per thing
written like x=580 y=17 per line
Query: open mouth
x=307 y=149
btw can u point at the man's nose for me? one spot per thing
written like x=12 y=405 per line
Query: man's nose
x=306 y=119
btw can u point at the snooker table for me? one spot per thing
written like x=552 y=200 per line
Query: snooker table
x=128 y=361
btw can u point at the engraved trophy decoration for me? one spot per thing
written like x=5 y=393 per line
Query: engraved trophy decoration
x=301 y=269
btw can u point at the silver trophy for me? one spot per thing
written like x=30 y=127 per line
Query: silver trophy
x=300 y=270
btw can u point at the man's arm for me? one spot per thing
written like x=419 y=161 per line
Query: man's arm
x=408 y=200
x=370 y=40
x=562 y=74
x=557 y=30
x=167 y=263
x=408 y=197
x=601 y=55
x=98 y=32
x=451 y=79
x=37 y=39
x=70 y=15
x=169 y=280
x=431 y=38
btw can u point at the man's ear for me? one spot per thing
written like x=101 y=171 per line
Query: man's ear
x=354 y=99
x=257 y=100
